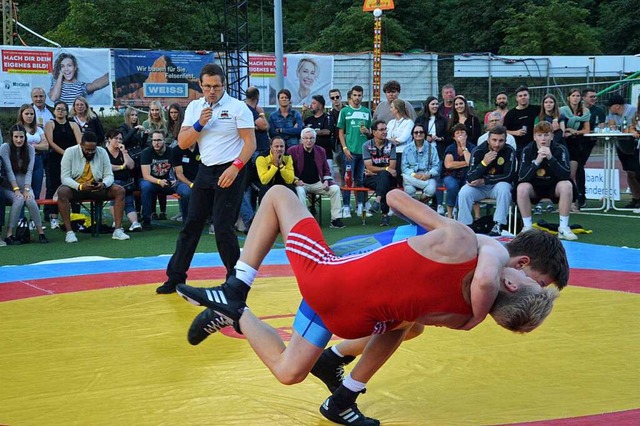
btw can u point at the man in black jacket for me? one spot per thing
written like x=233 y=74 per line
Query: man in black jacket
x=545 y=173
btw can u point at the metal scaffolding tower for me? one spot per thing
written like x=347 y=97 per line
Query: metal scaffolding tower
x=7 y=22
x=235 y=40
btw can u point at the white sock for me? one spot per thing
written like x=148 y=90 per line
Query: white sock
x=245 y=273
x=527 y=221
x=335 y=350
x=353 y=385
x=564 y=221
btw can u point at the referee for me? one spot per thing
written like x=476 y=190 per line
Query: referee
x=223 y=127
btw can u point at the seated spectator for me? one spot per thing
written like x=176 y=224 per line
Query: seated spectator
x=491 y=172
x=275 y=168
x=86 y=175
x=550 y=112
x=545 y=173
x=420 y=165
x=17 y=159
x=495 y=120
x=174 y=123
x=37 y=139
x=379 y=157
x=185 y=163
x=313 y=174
x=86 y=119
x=462 y=114
x=155 y=162
x=286 y=122
x=121 y=165
x=456 y=164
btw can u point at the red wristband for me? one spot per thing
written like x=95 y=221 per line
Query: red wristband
x=238 y=163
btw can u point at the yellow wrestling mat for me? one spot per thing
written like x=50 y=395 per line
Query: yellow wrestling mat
x=120 y=356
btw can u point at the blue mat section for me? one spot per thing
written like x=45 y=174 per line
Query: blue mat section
x=581 y=256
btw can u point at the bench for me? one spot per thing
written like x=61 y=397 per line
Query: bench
x=95 y=211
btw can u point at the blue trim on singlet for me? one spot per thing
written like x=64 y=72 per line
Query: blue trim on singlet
x=309 y=325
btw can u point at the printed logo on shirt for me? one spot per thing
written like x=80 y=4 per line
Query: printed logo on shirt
x=500 y=161
x=224 y=115
x=541 y=172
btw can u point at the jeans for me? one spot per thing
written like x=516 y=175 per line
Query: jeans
x=357 y=172
x=381 y=183
x=183 y=190
x=208 y=200
x=148 y=190
x=453 y=185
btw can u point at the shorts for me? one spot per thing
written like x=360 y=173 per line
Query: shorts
x=630 y=161
x=101 y=195
x=546 y=190
x=309 y=325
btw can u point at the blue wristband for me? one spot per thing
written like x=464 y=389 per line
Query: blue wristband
x=197 y=126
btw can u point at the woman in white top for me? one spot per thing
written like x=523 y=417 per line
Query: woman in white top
x=399 y=130
x=37 y=139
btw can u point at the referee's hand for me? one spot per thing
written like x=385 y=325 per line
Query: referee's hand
x=227 y=177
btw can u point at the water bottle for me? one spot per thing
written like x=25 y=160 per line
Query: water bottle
x=597 y=125
x=624 y=124
x=348 y=177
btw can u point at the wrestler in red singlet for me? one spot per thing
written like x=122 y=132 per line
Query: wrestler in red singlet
x=360 y=295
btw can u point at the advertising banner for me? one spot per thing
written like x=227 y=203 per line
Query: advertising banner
x=304 y=76
x=166 y=76
x=62 y=73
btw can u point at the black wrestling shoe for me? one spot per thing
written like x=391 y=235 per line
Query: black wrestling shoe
x=166 y=288
x=349 y=416
x=208 y=322
x=227 y=299
x=330 y=368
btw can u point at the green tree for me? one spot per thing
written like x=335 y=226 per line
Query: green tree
x=555 y=28
x=620 y=27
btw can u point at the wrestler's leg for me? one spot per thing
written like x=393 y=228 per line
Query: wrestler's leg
x=356 y=346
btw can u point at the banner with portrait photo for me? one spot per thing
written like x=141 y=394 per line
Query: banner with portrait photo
x=304 y=76
x=158 y=75
x=63 y=74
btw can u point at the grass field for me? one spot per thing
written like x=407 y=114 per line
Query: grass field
x=620 y=229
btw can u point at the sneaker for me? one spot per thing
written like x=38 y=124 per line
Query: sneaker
x=177 y=218
x=537 y=209
x=55 y=224
x=146 y=225
x=346 y=212
x=566 y=234
x=367 y=205
x=32 y=226
x=441 y=210
x=330 y=368
x=43 y=239
x=166 y=288
x=135 y=227
x=70 y=237
x=360 y=209
x=205 y=323
x=337 y=224
x=119 y=234
x=162 y=216
x=2 y=243
x=113 y=225
x=349 y=416
x=154 y=216
x=384 y=221
x=496 y=231
x=11 y=241
x=526 y=228
x=550 y=208
x=227 y=299
x=212 y=230
x=634 y=203
x=375 y=207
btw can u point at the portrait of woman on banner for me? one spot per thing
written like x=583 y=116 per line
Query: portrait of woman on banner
x=305 y=79
x=66 y=86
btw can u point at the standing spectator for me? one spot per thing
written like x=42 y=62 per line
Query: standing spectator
x=313 y=174
x=86 y=119
x=391 y=89
x=502 y=101
x=577 y=117
x=121 y=165
x=338 y=157
x=456 y=164
x=379 y=155
x=87 y=175
x=275 y=168
x=598 y=114
x=354 y=123
x=520 y=120
x=224 y=130
x=434 y=124
x=321 y=122
x=286 y=122
x=618 y=111
x=17 y=158
x=156 y=174
x=463 y=114
x=61 y=135
x=399 y=130
x=43 y=113
x=174 y=123
x=446 y=106
x=491 y=173
x=65 y=86
x=545 y=173
x=420 y=165
x=185 y=163
x=550 y=112
x=495 y=120
x=37 y=139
